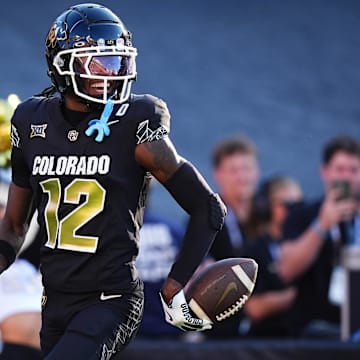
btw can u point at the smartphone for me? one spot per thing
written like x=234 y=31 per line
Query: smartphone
x=344 y=188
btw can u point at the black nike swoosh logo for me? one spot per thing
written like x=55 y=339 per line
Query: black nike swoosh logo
x=170 y=317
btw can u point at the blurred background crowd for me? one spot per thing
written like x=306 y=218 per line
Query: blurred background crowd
x=264 y=100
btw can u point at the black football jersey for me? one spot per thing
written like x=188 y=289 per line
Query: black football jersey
x=89 y=195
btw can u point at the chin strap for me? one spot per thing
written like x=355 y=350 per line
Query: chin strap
x=101 y=125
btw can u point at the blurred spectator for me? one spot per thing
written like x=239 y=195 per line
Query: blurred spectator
x=268 y=307
x=160 y=242
x=20 y=286
x=236 y=172
x=20 y=302
x=315 y=232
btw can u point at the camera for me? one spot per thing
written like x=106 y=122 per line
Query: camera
x=345 y=190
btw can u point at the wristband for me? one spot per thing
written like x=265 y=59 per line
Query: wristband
x=318 y=230
x=8 y=252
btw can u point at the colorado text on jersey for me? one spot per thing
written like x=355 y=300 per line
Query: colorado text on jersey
x=71 y=165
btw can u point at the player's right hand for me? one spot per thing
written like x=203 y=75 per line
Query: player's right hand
x=177 y=313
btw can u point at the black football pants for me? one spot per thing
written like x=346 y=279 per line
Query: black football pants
x=87 y=327
x=19 y=352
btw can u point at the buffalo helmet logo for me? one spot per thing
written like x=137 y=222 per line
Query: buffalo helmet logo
x=57 y=32
x=73 y=135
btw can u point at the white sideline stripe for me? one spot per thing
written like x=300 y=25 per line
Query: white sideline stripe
x=197 y=309
x=243 y=276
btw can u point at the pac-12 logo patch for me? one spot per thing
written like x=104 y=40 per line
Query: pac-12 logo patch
x=38 y=130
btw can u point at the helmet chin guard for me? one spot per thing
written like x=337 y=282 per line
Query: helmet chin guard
x=90 y=54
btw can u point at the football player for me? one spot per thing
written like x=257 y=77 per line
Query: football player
x=84 y=151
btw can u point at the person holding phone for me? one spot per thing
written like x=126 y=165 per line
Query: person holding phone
x=315 y=232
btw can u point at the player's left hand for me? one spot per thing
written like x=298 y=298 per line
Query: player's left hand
x=177 y=313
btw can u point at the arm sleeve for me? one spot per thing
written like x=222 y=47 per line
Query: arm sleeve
x=207 y=214
x=221 y=247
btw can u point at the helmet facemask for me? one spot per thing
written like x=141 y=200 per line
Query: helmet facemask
x=99 y=73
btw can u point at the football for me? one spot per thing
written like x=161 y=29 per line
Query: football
x=222 y=288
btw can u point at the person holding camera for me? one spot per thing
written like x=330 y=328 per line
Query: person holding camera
x=314 y=233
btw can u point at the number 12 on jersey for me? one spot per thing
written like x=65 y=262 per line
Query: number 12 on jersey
x=63 y=233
